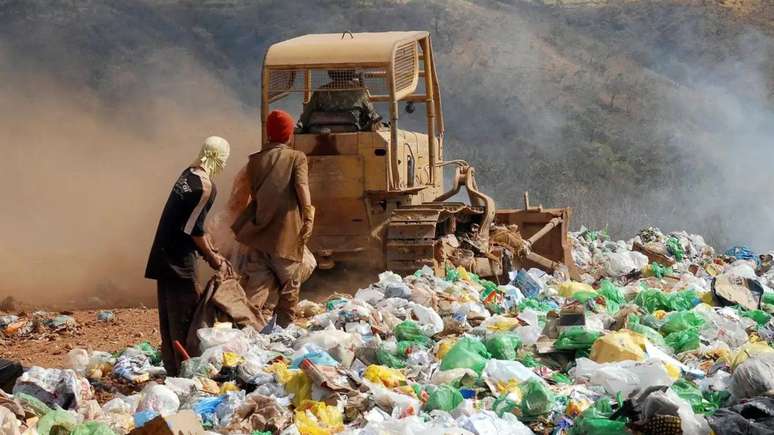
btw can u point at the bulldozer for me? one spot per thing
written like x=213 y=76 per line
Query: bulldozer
x=379 y=188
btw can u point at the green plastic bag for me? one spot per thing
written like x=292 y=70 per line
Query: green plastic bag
x=596 y=420
x=57 y=420
x=503 y=346
x=445 y=398
x=716 y=400
x=503 y=405
x=651 y=300
x=768 y=298
x=385 y=358
x=682 y=300
x=409 y=331
x=660 y=271
x=682 y=341
x=153 y=354
x=93 y=428
x=576 y=338
x=528 y=360
x=537 y=399
x=534 y=304
x=680 y=321
x=467 y=353
x=561 y=378
x=33 y=403
x=614 y=297
x=675 y=248
x=688 y=391
x=760 y=317
x=584 y=296
x=633 y=324
x=452 y=275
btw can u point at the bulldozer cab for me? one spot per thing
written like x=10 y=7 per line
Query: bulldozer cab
x=376 y=174
x=359 y=170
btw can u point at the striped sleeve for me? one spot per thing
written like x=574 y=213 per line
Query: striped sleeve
x=194 y=226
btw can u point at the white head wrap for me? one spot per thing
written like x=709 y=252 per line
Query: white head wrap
x=213 y=155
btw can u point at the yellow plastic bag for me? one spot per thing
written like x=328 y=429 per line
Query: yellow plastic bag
x=444 y=346
x=569 y=288
x=463 y=274
x=229 y=386
x=747 y=350
x=511 y=388
x=231 y=359
x=295 y=382
x=619 y=346
x=317 y=418
x=386 y=376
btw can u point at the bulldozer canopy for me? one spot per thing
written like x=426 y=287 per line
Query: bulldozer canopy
x=331 y=49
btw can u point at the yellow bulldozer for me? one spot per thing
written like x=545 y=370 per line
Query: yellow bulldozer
x=377 y=187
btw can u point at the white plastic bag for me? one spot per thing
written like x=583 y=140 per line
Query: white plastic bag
x=160 y=399
x=212 y=337
x=487 y=422
x=78 y=360
x=623 y=376
x=9 y=424
x=429 y=321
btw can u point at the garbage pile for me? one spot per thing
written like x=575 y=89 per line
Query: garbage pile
x=38 y=324
x=658 y=334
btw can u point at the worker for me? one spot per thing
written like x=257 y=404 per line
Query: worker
x=340 y=105
x=277 y=223
x=180 y=236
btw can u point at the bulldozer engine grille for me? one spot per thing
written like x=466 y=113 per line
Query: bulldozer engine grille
x=372 y=79
x=405 y=66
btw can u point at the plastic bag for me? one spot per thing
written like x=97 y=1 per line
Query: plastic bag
x=444 y=397
x=682 y=341
x=576 y=338
x=9 y=424
x=389 y=359
x=537 y=399
x=624 y=376
x=503 y=346
x=159 y=399
x=760 y=317
x=749 y=350
x=57 y=418
x=618 y=346
x=503 y=405
x=487 y=422
x=675 y=248
x=633 y=324
x=153 y=354
x=409 y=331
x=569 y=288
x=384 y=375
x=682 y=300
x=467 y=353
x=317 y=418
x=614 y=297
x=596 y=420
x=92 y=428
x=651 y=300
x=680 y=321
x=583 y=296
x=753 y=377
x=690 y=393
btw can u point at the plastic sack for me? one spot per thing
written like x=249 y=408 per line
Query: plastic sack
x=618 y=346
x=503 y=405
x=213 y=337
x=569 y=288
x=430 y=322
x=633 y=324
x=9 y=424
x=32 y=403
x=153 y=354
x=651 y=300
x=487 y=422
x=57 y=419
x=384 y=375
x=409 y=331
x=467 y=353
x=683 y=341
x=160 y=399
x=595 y=420
x=503 y=346
x=617 y=264
x=680 y=321
x=682 y=300
x=749 y=350
x=675 y=248
x=583 y=296
x=537 y=399
x=753 y=377
x=760 y=317
x=389 y=359
x=317 y=418
x=576 y=338
x=613 y=295
x=624 y=376
x=92 y=428
x=690 y=393
x=443 y=397
x=501 y=376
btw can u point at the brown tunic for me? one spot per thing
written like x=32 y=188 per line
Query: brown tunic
x=272 y=221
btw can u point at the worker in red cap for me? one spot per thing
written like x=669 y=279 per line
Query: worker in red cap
x=277 y=222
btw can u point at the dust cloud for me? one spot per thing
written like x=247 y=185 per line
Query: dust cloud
x=85 y=179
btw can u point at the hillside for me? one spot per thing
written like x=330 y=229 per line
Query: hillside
x=634 y=113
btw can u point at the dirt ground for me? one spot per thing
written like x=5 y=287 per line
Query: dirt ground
x=130 y=326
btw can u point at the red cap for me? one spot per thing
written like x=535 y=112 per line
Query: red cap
x=279 y=126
